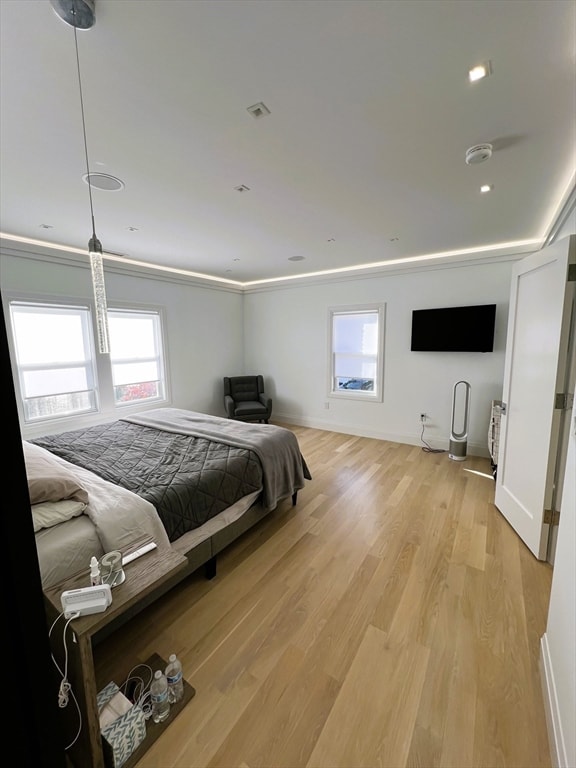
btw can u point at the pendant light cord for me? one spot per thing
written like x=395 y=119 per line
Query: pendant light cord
x=84 y=132
x=94 y=245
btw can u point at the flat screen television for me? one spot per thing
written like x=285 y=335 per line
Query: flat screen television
x=454 y=329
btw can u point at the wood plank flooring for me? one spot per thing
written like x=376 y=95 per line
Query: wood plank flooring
x=392 y=618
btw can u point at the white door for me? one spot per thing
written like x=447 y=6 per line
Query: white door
x=532 y=437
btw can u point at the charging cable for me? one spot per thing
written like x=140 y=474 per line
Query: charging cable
x=137 y=690
x=65 y=689
x=428 y=448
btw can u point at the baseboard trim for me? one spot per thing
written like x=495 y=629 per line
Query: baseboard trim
x=474 y=449
x=553 y=722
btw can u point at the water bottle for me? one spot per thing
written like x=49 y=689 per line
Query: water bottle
x=175 y=679
x=159 y=696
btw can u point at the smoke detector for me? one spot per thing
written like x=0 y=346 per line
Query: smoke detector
x=478 y=154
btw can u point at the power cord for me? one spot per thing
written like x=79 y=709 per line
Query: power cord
x=428 y=448
x=65 y=689
x=138 y=691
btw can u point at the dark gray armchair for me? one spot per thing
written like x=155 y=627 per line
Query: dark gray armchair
x=245 y=399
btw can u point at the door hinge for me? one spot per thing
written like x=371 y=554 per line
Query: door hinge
x=571 y=273
x=551 y=516
x=564 y=401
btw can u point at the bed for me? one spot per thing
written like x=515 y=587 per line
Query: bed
x=183 y=479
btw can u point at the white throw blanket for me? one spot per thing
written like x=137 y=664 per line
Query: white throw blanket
x=283 y=467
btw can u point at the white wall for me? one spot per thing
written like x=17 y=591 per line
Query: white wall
x=286 y=340
x=559 y=641
x=286 y=328
x=204 y=329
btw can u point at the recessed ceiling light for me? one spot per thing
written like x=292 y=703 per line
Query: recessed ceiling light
x=46 y=226
x=486 y=188
x=242 y=188
x=479 y=72
x=296 y=258
x=132 y=229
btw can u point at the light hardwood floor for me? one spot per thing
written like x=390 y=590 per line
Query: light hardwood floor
x=392 y=618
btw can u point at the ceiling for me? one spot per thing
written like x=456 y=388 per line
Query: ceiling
x=361 y=160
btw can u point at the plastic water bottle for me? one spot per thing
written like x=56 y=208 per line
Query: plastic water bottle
x=175 y=679
x=159 y=696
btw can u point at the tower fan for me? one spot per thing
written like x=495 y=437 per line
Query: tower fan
x=460 y=417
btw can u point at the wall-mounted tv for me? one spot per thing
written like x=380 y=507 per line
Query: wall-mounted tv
x=454 y=329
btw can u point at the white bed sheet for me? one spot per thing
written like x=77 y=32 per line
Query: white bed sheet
x=66 y=549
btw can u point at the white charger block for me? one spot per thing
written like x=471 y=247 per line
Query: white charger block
x=86 y=600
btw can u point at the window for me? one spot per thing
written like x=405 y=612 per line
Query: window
x=136 y=356
x=55 y=359
x=60 y=376
x=356 y=352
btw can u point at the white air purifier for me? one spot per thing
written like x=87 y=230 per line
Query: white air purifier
x=460 y=417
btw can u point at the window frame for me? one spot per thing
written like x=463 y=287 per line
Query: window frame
x=89 y=363
x=106 y=407
x=160 y=357
x=367 y=396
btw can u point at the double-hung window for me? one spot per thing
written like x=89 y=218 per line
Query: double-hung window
x=59 y=374
x=356 y=351
x=55 y=359
x=136 y=356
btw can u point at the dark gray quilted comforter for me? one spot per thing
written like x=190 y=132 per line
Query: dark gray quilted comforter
x=188 y=479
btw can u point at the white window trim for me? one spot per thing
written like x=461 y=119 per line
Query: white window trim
x=163 y=362
x=367 y=397
x=107 y=409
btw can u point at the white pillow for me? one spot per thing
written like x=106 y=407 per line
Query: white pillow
x=49 y=479
x=49 y=513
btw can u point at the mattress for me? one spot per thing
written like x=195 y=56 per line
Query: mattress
x=66 y=549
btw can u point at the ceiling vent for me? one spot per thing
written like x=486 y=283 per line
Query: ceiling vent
x=259 y=110
x=478 y=154
x=103 y=181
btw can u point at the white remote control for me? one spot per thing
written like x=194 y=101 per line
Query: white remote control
x=138 y=552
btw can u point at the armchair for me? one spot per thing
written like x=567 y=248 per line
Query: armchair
x=245 y=399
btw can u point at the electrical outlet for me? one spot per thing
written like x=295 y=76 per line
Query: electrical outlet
x=423 y=417
x=327 y=406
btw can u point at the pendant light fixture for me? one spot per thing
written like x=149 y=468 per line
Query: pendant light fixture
x=79 y=14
